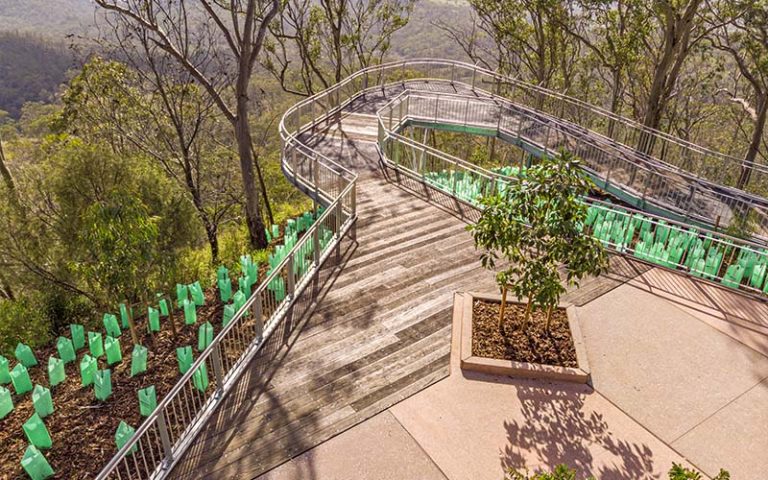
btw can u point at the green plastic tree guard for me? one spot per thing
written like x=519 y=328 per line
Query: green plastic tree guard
x=163 y=304
x=36 y=433
x=66 y=349
x=184 y=356
x=245 y=285
x=5 y=373
x=138 y=360
x=6 y=402
x=78 y=336
x=20 y=379
x=147 y=400
x=95 y=344
x=25 y=356
x=229 y=312
x=88 y=367
x=124 y=316
x=200 y=377
x=238 y=301
x=222 y=273
x=204 y=336
x=225 y=289
x=102 y=384
x=111 y=326
x=35 y=464
x=112 y=348
x=42 y=401
x=190 y=312
x=154 y=320
x=123 y=434
x=197 y=294
x=56 y=373
x=182 y=293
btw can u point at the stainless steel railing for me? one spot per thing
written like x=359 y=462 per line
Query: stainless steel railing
x=467 y=182
x=164 y=436
x=657 y=188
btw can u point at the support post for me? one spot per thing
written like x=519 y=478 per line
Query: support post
x=165 y=438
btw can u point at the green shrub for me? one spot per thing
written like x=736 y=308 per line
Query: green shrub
x=563 y=472
x=22 y=321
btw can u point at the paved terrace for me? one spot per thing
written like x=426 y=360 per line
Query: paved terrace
x=680 y=368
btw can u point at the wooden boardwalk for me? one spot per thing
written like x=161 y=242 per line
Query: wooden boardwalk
x=378 y=332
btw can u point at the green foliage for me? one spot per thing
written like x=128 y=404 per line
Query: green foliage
x=561 y=472
x=22 y=321
x=678 y=472
x=534 y=227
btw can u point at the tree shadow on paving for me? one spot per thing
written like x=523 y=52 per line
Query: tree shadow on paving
x=212 y=446
x=559 y=430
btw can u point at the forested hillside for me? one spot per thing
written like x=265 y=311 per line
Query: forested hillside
x=54 y=18
x=32 y=68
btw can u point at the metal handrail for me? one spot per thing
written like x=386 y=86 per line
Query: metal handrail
x=384 y=145
x=493 y=113
x=711 y=164
x=158 y=443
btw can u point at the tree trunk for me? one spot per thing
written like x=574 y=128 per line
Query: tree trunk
x=754 y=145
x=213 y=242
x=549 y=318
x=502 y=307
x=263 y=186
x=257 y=235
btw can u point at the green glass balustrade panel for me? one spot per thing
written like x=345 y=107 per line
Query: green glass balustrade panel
x=66 y=349
x=88 y=368
x=78 y=336
x=229 y=313
x=42 y=401
x=184 y=357
x=102 y=384
x=111 y=326
x=190 y=312
x=147 y=400
x=113 y=351
x=153 y=320
x=123 y=434
x=36 y=433
x=6 y=402
x=182 y=293
x=20 y=379
x=35 y=465
x=56 y=372
x=25 y=356
x=5 y=371
x=138 y=360
x=204 y=336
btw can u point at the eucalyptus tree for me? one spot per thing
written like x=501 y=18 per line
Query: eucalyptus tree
x=613 y=33
x=741 y=30
x=218 y=42
x=533 y=228
x=330 y=39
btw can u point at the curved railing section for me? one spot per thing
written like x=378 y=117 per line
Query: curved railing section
x=649 y=186
x=165 y=435
x=699 y=252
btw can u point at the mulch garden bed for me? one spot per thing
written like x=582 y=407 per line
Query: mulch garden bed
x=83 y=428
x=533 y=345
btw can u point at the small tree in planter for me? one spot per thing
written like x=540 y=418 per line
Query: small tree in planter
x=534 y=227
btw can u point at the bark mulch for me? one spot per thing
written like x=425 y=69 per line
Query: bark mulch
x=83 y=428
x=533 y=344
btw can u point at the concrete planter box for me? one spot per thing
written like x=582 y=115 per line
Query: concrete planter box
x=511 y=368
